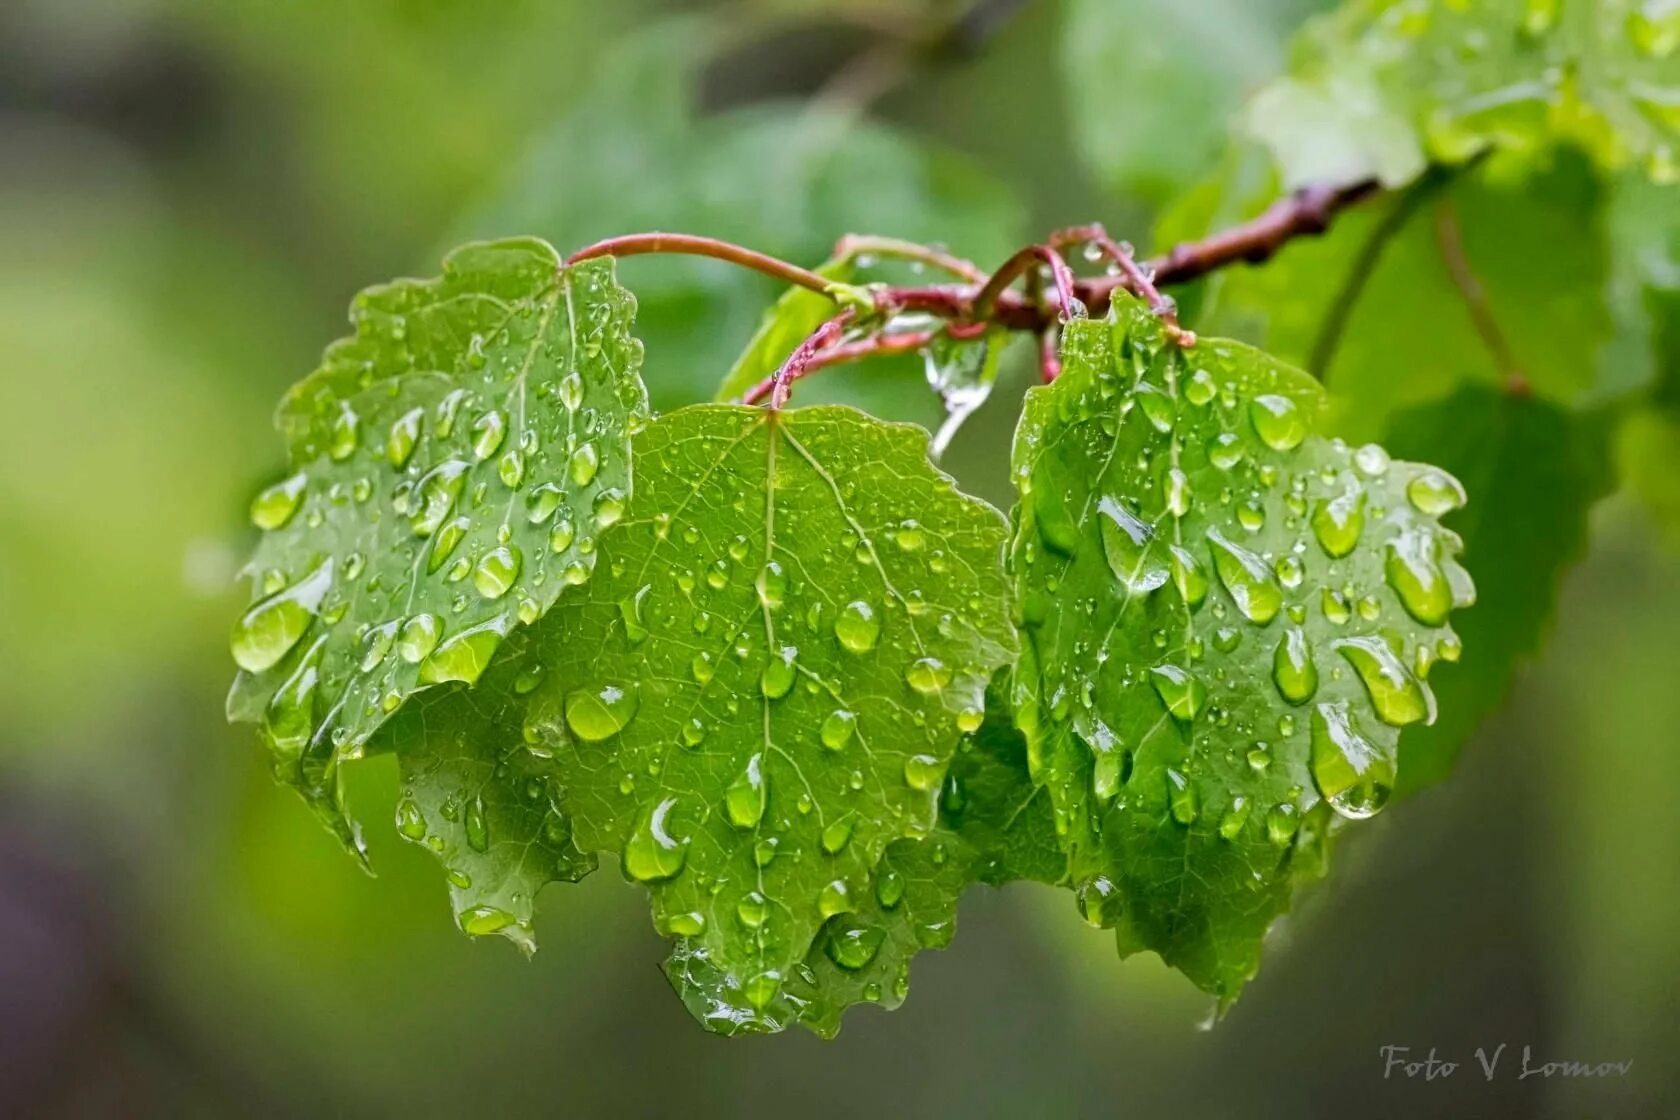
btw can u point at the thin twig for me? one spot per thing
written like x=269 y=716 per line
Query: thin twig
x=636 y=244
x=1139 y=279
x=798 y=364
x=1449 y=238
x=980 y=307
x=1334 y=324
x=864 y=244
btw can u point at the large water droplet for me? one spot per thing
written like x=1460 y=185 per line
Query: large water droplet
x=1293 y=670
x=290 y=716
x=477 y=827
x=1126 y=545
x=1435 y=492
x=1278 y=421
x=747 y=795
x=776 y=681
x=771 y=585
x=497 y=570
x=1188 y=576
x=1182 y=692
x=752 y=909
x=597 y=714
x=1337 y=523
x=275 y=505
x=652 y=853
x=404 y=436
x=889 y=889
x=345 y=433
x=488 y=431
x=1247 y=578
x=464 y=656
x=584 y=464
x=419 y=637
x=927 y=675
x=1413 y=570
x=834 y=898
x=267 y=631
x=411 y=822
x=857 y=626
x=435 y=495
x=853 y=946
x=1354 y=775
x=480 y=921
x=923 y=772
x=1398 y=697
x=837 y=729
x=1183 y=801
x=837 y=835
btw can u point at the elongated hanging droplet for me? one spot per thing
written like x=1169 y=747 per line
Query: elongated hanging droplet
x=435 y=495
x=269 y=629
x=1181 y=691
x=1398 y=697
x=1247 y=578
x=1293 y=670
x=1337 y=523
x=404 y=435
x=1355 y=775
x=1413 y=570
x=1126 y=543
x=1188 y=576
x=747 y=794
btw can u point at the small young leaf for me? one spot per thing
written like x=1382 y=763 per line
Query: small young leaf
x=1536 y=472
x=451 y=462
x=764 y=686
x=1228 y=621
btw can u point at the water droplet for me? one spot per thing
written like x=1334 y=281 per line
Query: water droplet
x=690 y=924
x=776 y=681
x=837 y=729
x=1247 y=579
x=275 y=505
x=1231 y=824
x=1354 y=775
x=1398 y=697
x=652 y=853
x=771 y=585
x=541 y=503
x=269 y=629
x=702 y=668
x=857 y=626
x=1182 y=692
x=1099 y=902
x=834 y=898
x=923 y=772
x=411 y=822
x=1126 y=545
x=761 y=989
x=889 y=889
x=488 y=431
x=584 y=464
x=609 y=507
x=747 y=795
x=1281 y=824
x=909 y=535
x=345 y=433
x=420 y=636
x=1278 y=421
x=463 y=656
x=1337 y=523
x=477 y=828
x=927 y=675
x=1415 y=575
x=497 y=570
x=1183 y=801
x=1293 y=670
x=404 y=436
x=435 y=495
x=1371 y=460
x=752 y=909
x=1157 y=406
x=630 y=611
x=837 y=835
x=561 y=538
x=1188 y=576
x=480 y=921
x=853 y=946
x=1435 y=493
x=597 y=714
x=1226 y=450
x=1200 y=389
x=511 y=469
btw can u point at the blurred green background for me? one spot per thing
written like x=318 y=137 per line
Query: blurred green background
x=189 y=194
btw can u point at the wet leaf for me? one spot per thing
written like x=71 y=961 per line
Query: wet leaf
x=1229 y=618
x=449 y=464
x=764 y=686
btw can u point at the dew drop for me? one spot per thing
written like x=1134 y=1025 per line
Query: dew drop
x=857 y=627
x=463 y=656
x=1354 y=775
x=927 y=675
x=923 y=772
x=1293 y=670
x=1398 y=697
x=269 y=629
x=274 y=506
x=747 y=795
x=1246 y=578
x=1182 y=692
x=853 y=946
x=597 y=714
x=1126 y=543
x=497 y=570
x=585 y=463
x=837 y=729
x=1278 y=421
x=1435 y=493
x=652 y=854
x=1414 y=573
x=435 y=495
x=776 y=681
x=1182 y=799
x=404 y=436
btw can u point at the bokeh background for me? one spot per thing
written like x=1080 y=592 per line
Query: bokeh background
x=189 y=194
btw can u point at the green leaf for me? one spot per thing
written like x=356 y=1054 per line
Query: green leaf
x=1198 y=57
x=483 y=799
x=1536 y=472
x=1228 y=621
x=994 y=827
x=1380 y=87
x=763 y=688
x=452 y=462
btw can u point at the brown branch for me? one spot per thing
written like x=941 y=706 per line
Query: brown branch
x=1138 y=279
x=799 y=363
x=636 y=244
x=980 y=307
